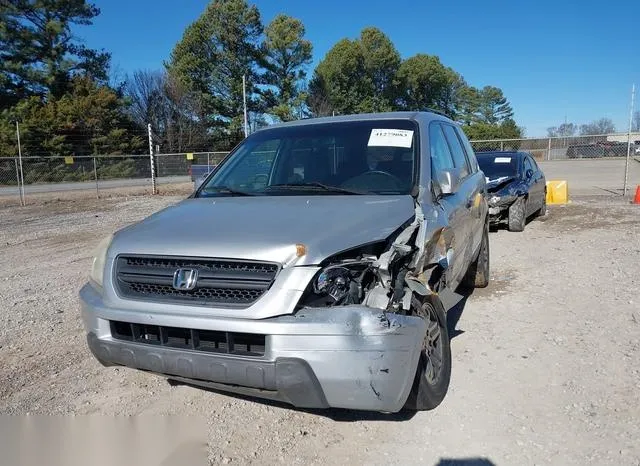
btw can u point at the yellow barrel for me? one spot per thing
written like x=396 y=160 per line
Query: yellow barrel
x=557 y=192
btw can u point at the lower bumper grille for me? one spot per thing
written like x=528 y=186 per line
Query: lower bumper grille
x=242 y=344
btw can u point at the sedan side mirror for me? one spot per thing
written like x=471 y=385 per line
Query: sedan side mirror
x=448 y=181
x=529 y=173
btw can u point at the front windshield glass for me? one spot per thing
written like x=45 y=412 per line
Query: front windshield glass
x=359 y=157
x=497 y=166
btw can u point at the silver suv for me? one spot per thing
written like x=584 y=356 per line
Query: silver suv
x=308 y=267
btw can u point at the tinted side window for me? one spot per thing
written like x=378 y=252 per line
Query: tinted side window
x=527 y=164
x=459 y=157
x=535 y=164
x=471 y=155
x=441 y=158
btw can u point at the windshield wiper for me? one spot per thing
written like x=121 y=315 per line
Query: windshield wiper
x=315 y=184
x=227 y=190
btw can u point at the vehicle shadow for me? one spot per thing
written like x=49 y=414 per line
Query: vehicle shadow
x=465 y=462
x=335 y=414
x=455 y=311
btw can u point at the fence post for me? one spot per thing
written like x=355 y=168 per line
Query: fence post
x=21 y=181
x=549 y=150
x=15 y=160
x=501 y=145
x=626 y=163
x=151 y=161
x=95 y=176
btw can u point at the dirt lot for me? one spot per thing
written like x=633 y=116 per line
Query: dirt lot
x=546 y=365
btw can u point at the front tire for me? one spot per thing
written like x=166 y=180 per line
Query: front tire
x=433 y=372
x=517 y=215
x=543 y=210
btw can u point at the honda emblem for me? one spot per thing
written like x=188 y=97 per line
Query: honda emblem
x=185 y=279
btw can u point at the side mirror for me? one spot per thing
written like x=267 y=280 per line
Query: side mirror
x=448 y=181
x=529 y=173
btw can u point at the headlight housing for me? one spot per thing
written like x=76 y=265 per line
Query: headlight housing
x=99 y=261
x=339 y=283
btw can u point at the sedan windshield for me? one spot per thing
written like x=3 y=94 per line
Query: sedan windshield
x=497 y=166
x=339 y=158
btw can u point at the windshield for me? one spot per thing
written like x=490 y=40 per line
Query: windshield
x=497 y=166
x=358 y=157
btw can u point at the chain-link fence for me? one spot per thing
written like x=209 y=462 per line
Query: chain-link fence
x=21 y=177
x=570 y=147
x=182 y=164
x=101 y=174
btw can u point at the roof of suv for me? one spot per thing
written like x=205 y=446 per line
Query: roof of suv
x=424 y=116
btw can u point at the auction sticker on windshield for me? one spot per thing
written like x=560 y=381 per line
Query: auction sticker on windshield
x=502 y=160
x=391 y=137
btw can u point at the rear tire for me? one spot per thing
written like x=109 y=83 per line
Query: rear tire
x=517 y=215
x=433 y=373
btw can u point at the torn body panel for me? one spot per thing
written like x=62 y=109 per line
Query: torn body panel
x=426 y=251
x=417 y=260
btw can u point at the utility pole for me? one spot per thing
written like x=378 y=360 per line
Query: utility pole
x=244 y=100
x=151 y=160
x=21 y=181
x=626 y=165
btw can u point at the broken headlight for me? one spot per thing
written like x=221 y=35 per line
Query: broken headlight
x=500 y=200
x=339 y=283
x=334 y=281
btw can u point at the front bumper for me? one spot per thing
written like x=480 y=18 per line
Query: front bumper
x=351 y=357
x=498 y=213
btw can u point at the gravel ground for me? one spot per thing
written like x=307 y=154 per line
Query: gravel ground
x=545 y=360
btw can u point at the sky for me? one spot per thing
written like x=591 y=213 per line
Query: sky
x=553 y=59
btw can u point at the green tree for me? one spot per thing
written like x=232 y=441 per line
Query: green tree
x=423 y=80
x=318 y=100
x=507 y=129
x=215 y=52
x=38 y=52
x=87 y=120
x=381 y=61
x=287 y=53
x=357 y=76
x=341 y=77
x=494 y=107
x=468 y=105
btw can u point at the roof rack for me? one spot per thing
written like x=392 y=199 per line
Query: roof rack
x=433 y=110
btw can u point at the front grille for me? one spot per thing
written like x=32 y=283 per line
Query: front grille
x=220 y=282
x=242 y=344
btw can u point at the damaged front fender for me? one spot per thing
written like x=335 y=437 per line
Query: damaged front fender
x=429 y=253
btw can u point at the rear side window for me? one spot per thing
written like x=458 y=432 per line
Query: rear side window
x=471 y=155
x=459 y=157
x=535 y=164
x=441 y=158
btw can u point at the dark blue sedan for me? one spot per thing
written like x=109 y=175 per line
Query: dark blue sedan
x=516 y=186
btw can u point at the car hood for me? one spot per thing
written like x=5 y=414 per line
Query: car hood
x=498 y=184
x=265 y=228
